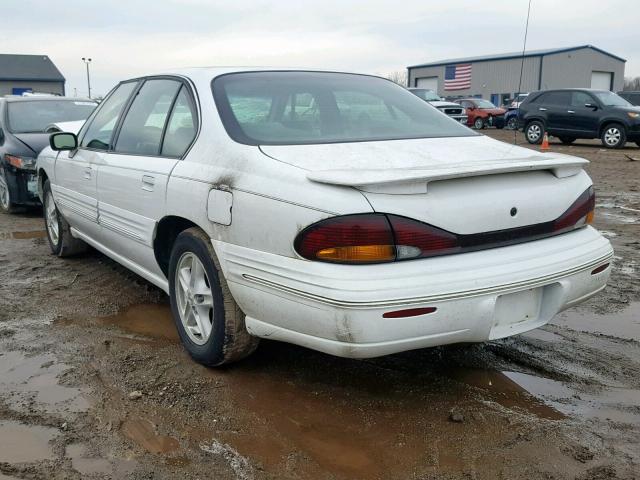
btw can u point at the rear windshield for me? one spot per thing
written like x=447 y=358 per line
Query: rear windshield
x=36 y=116
x=295 y=108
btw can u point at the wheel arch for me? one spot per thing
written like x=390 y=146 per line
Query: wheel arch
x=167 y=231
x=42 y=177
x=610 y=121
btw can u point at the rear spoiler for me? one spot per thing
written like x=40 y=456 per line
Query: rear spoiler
x=415 y=180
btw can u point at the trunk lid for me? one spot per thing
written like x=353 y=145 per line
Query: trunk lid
x=463 y=185
x=34 y=141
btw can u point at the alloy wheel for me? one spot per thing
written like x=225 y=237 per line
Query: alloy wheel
x=534 y=132
x=194 y=298
x=51 y=217
x=5 y=198
x=612 y=136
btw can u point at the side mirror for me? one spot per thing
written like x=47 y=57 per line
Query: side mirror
x=592 y=106
x=63 y=141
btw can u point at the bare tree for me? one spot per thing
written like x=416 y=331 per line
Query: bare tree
x=631 y=84
x=399 y=77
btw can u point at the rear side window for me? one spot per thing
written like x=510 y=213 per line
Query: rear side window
x=100 y=130
x=181 y=129
x=142 y=128
x=558 y=99
x=579 y=99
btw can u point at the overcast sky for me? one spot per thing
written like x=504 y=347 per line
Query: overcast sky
x=126 y=38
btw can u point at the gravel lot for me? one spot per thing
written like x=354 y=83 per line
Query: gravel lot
x=94 y=384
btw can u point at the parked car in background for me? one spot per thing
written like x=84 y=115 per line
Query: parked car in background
x=580 y=113
x=23 y=124
x=511 y=119
x=454 y=110
x=631 y=97
x=482 y=113
x=515 y=103
x=329 y=210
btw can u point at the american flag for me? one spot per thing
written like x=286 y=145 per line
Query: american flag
x=457 y=77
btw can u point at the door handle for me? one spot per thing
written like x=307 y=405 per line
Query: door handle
x=542 y=109
x=570 y=111
x=87 y=173
x=148 y=182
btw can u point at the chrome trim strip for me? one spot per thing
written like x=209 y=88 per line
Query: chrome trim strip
x=506 y=288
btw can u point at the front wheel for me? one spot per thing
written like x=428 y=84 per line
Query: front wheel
x=62 y=243
x=478 y=123
x=209 y=321
x=534 y=132
x=6 y=202
x=613 y=136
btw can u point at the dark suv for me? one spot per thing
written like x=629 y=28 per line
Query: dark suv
x=580 y=113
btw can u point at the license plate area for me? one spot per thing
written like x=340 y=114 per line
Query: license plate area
x=519 y=307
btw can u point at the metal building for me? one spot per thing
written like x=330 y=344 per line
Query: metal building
x=496 y=77
x=29 y=73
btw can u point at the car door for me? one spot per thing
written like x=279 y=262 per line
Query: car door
x=554 y=105
x=74 y=184
x=583 y=120
x=132 y=179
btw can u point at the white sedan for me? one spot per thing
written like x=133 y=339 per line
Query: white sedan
x=335 y=211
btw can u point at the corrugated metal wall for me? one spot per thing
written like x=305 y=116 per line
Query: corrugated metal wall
x=6 y=87
x=567 y=69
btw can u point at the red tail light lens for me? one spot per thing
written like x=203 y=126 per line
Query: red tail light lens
x=416 y=239
x=578 y=214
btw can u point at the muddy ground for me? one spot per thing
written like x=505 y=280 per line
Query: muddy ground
x=94 y=384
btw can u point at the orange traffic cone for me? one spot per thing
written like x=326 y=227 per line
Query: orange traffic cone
x=545 y=143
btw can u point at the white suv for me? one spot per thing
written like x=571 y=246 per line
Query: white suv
x=330 y=210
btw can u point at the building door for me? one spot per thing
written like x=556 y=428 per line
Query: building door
x=602 y=80
x=430 y=83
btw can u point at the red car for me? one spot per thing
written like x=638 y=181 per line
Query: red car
x=482 y=113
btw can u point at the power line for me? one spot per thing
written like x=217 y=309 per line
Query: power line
x=524 y=48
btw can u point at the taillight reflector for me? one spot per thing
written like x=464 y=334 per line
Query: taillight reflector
x=409 y=312
x=600 y=269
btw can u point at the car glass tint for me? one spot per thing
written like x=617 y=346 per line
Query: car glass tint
x=141 y=132
x=580 y=99
x=286 y=108
x=98 y=133
x=556 y=99
x=35 y=116
x=181 y=128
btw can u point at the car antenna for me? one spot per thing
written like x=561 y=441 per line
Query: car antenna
x=524 y=48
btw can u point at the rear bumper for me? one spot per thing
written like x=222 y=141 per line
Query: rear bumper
x=479 y=296
x=22 y=185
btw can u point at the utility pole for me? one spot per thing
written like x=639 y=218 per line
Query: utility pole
x=87 y=61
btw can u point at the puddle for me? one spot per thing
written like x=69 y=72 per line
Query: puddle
x=624 y=324
x=34 y=380
x=143 y=433
x=88 y=465
x=152 y=320
x=23 y=235
x=20 y=443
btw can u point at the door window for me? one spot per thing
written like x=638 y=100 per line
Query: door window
x=556 y=99
x=98 y=134
x=579 y=99
x=141 y=132
x=181 y=128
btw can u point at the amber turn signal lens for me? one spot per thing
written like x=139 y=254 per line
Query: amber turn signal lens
x=589 y=219
x=358 y=253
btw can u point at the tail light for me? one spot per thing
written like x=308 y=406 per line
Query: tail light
x=378 y=237
x=372 y=238
x=579 y=214
x=20 y=162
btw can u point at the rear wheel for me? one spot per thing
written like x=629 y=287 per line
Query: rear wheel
x=512 y=124
x=478 y=123
x=534 y=131
x=209 y=321
x=62 y=243
x=613 y=136
x=567 y=140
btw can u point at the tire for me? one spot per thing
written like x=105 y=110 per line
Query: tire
x=534 y=132
x=613 y=136
x=478 y=123
x=512 y=124
x=6 y=203
x=638 y=143
x=567 y=140
x=62 y=243
x=195 y=277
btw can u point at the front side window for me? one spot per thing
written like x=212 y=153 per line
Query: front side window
x=99 y=132
x=610 y=99
x=294 y=108
x=141 y=131
x=181 y=129
x=35 y=116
